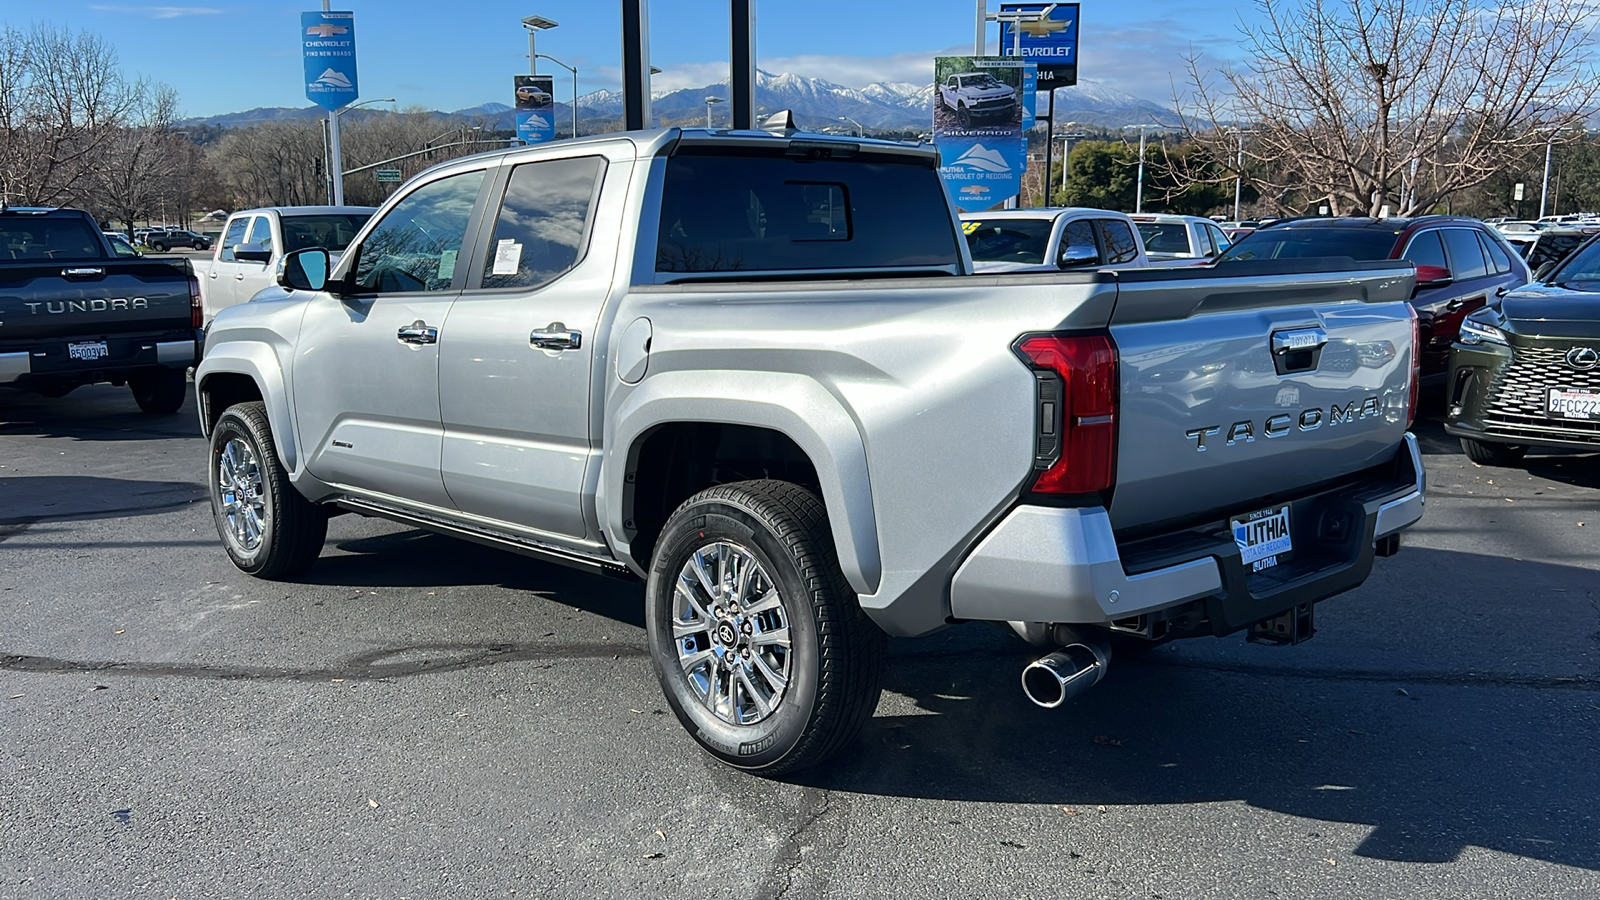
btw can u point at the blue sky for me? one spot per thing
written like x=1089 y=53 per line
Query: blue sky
x=225 y=56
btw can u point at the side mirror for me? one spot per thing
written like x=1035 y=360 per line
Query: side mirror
x=305 y=270
x=1433 y=276
x=1544 y=270
x=252 y=253
x=1078 y=256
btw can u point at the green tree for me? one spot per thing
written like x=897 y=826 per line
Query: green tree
x=1100 y=175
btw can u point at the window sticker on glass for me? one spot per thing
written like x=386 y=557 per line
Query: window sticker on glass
x=507 y=257
x=447 y=265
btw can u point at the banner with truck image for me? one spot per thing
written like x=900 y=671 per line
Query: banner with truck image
x=977 y=125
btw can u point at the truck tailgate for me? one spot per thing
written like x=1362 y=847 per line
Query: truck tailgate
x=93 y=298
x=1244 y=383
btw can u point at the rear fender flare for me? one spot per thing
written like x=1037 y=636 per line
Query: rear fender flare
x=793 y=405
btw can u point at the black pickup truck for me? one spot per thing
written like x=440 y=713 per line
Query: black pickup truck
x=72 y=312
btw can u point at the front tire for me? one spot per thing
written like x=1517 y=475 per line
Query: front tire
x=1488 y=453
x=268 y=529
x=159 y=392
x=760 y=645
x=963 y=117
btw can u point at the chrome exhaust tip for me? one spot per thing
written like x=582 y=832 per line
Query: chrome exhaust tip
x=1065 y=674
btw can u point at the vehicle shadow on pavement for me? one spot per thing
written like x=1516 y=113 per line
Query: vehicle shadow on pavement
x=1436 y=757
x=26 y=499
x=417 y=558
x=99 y=412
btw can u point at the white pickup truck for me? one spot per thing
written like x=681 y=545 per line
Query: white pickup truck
x=254 y=242
x=754 y=371
x=1052 y=239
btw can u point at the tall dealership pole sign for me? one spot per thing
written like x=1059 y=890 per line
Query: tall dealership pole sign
x=328 y=40
x=1046 y=35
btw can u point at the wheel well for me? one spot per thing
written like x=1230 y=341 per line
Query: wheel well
x=680 y=459
x=223 y=390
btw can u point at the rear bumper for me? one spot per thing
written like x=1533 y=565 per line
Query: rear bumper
x=1051 y=565
x=51 y=361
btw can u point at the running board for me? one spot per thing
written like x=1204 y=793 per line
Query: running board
x=546 y=552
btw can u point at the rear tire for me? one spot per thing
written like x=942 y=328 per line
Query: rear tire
x=267 y=528
x=1488 y=453
x=160 y=392
x=760 y=645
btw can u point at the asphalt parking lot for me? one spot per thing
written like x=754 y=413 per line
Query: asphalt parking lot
x=421 y=717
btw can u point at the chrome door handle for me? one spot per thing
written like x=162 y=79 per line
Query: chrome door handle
x=238 y=276
x=555 y=336
x=213 y=274
x=418 y=332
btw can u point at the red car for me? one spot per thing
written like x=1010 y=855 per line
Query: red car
x=1462 y=265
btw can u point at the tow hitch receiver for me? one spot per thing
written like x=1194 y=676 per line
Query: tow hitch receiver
x=1292 y=627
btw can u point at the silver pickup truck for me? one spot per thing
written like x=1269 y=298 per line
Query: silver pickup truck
x=753 y=369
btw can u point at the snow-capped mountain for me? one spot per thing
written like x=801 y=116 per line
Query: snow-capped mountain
x=816 y=103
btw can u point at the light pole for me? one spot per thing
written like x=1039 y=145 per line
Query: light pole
x=1067 y=140
x=860 y=132
x=709 y=101
x=1238 y=173
x=1138 y=196
x=1545 y=189
x=335 y=178
x=574 y=71
x=535 y=24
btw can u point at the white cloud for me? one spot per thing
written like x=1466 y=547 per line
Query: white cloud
x=160 y=12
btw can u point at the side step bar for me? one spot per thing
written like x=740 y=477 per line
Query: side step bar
x=535 y=549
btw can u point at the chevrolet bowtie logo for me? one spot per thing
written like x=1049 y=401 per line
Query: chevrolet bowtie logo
x=1043 y=28
x=326 y=31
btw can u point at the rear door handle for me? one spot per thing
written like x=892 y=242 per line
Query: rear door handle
x=555 y=336
x=418 y=332
x=213 y=274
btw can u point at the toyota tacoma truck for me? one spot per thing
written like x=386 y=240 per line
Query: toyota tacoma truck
x=74 y=312
x=754 y=370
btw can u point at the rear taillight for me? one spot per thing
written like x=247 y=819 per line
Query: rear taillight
x=1075 y=423
x=197 y=313
x=1416 y=368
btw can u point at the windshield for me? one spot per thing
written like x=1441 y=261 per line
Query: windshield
x=329 y=231
x=1164 y=237
x=1581 y=271
x=1008 y=240
x=1300 y=243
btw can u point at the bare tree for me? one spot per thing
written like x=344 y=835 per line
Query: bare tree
x=62 y=95
x=1363 y=104
x=143 y=165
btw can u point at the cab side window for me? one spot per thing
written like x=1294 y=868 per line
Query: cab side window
x=414 y=247
x=1077 y=243
x=261 y=233
x=543 y=225
x=233 y=238
x=1120 y=245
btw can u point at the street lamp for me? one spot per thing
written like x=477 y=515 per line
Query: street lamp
x=709 y=101
x=860 y=132
x=1238 y=173
x=574 y=71
x=1138 y=196
x=535 y=24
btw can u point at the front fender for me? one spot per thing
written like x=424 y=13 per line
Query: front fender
x=257 y=361
x=788 y=403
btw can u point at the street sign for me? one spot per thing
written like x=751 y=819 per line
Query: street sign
x=328 y=40
x=391 y=175
x=1051 y=43
x=535 y=102
x=1516 y=193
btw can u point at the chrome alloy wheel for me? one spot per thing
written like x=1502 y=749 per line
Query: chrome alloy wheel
x=731 y=633
x=241 y=492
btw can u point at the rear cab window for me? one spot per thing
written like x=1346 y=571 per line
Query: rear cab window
x=42 y=238
x=740 y=209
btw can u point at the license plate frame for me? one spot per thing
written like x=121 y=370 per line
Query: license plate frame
x=1264 y=537
x=88 y=351
x=1588 y=402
